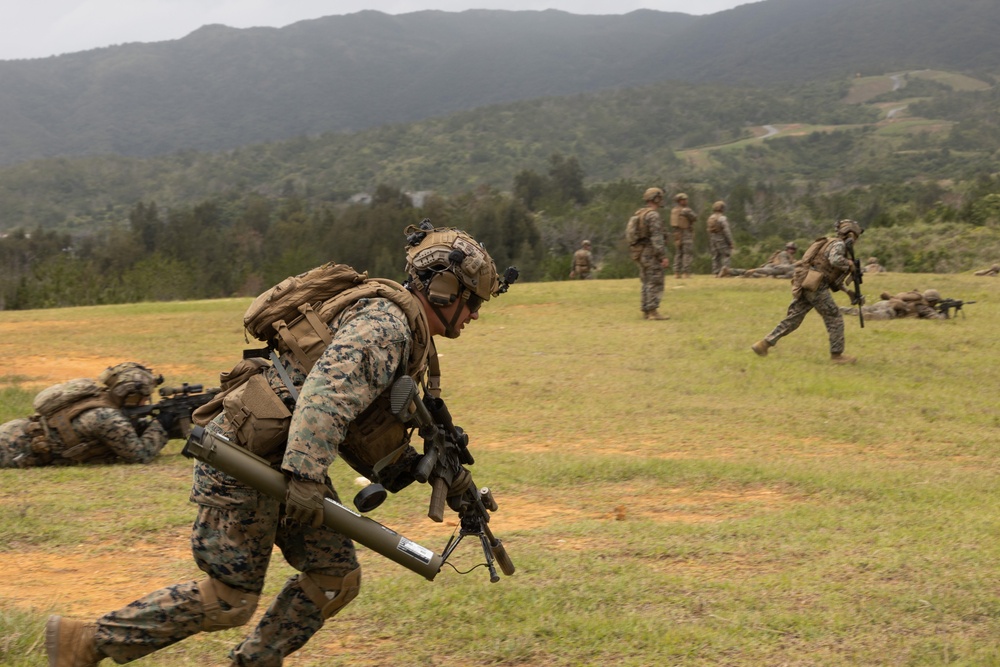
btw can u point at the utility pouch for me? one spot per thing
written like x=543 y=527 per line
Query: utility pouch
x=812 y=281
x=635 y=251
x=257 y=417
x=306 y=336
x=229 y=381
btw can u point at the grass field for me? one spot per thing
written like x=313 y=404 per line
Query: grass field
x=668 y=497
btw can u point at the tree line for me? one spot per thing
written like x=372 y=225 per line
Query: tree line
x=240 y=244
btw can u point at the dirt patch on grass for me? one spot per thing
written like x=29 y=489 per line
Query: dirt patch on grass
x=91 y=579
x=44 y=371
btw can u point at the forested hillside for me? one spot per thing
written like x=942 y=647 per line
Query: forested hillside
x=913 y=154
x=222 y=88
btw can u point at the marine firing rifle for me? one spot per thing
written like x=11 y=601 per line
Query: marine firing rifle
x=945 y=306
x=178 y=402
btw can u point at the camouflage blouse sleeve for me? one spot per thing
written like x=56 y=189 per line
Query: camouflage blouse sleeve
x=370 y=343
x=113 y=429
x=837 y=254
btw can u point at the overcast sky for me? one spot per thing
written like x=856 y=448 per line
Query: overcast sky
x=40 y=28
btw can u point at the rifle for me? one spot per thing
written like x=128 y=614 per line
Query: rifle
x=446 y=454
x=177 y=401
x=445 y=450
x=944 y=306
x=856 y=297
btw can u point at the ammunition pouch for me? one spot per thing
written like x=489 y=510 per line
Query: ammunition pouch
x=257 y=417
x=635 y=251
x=240 y=605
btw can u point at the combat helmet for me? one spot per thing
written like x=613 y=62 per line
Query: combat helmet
x=791 y=246
x=845 y=227
x=719 y=206
x=932 y=296
x=679 y=197
x=652 y=193
x=129 y=382
x=447 y=264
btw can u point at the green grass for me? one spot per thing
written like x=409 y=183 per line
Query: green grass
x=668 y=497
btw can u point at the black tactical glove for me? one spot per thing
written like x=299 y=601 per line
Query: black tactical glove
x=166 y=419
x=304 y=501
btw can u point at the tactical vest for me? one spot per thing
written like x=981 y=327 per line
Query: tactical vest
x=67 y=442
x=260 y=420
x=714 y=225
x=679 y=219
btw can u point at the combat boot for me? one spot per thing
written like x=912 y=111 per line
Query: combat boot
x=842 y=359
x=761 y=347
x=655 y=315
x=70 y=643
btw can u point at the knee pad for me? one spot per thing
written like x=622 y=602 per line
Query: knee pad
x=330 y=594
x=241 y=605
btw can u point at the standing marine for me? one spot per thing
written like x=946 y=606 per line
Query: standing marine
x=682 y=221
x=720 y=238
x=341 y=361
x=648 y=249
x=824 y=266
x=583 y=262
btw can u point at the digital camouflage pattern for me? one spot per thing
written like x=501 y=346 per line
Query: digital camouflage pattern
x=583 y=262
x=720 y=241
x=650 y=261
x=682 y=221
x=106 y=436
x=236 y=526
x=832 y=259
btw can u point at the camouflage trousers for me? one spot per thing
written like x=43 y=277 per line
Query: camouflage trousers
x=824 y=304
x=15 y=444
x=232 y=540
x=721 y=252
x=651 y=279
x=683 y=250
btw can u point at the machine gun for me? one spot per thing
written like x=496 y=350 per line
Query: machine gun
x=179 y=402
x=945 y=306
x=446 y=453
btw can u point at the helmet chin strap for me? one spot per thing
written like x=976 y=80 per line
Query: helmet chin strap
x=449 y=327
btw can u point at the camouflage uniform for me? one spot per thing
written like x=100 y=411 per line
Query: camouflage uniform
x=583 y=262
x=911 y=304
x=377 y=332
x=106 y=436
x=829 y=258
x=720 y=238
x=872 y=266
x=650 y=260
x=992 y=271
x=237 y=526
x=682 y=221
x=781 y=264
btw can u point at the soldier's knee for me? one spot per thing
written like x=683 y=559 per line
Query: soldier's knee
x=330 y=594
x=224 y=606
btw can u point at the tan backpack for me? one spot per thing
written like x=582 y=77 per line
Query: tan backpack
x=60 y=404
